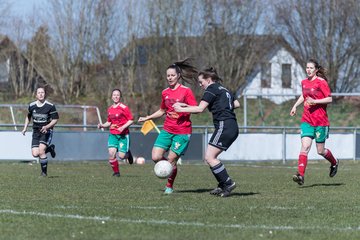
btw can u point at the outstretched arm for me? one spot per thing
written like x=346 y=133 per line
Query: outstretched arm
x=183 y=107
x=156 y=114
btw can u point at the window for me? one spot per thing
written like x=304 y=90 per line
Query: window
x=286 y=75
x=266 y=75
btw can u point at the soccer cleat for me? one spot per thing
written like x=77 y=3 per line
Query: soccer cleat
x=227 y=190
x=117 y=174
x=51 y=150
x=216 y=191
x=43 y=174
x=298 y=179
x=130 y=157
x=168 y=190
x=334 y=168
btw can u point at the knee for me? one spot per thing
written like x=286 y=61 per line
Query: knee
x=156 y=157
x=321 y=152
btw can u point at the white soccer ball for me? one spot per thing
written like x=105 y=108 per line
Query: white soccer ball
x=163 y=169
x=140 y=160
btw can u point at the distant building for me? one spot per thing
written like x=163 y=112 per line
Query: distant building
x=278 y=71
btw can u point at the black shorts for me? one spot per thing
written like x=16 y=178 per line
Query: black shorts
x=225 y=134
x=38 y=137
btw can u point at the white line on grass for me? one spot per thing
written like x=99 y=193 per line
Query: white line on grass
x=182 y=223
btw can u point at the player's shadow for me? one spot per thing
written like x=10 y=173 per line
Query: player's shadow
x=203 y=190
x=324 y=185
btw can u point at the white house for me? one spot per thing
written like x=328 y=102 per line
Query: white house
x=278 y=73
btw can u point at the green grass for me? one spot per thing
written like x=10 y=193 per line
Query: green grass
x=80 y=200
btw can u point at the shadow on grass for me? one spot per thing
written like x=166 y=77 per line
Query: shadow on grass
x=324 y=185
x=203 y=190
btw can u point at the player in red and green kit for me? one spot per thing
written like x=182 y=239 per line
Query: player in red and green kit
x=175 y=136
x=316 y=94
x=119 y=119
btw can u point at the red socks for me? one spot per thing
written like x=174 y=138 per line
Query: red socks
x=303 y=158
x=328 y=156
x=172 y=177
x=114 y=164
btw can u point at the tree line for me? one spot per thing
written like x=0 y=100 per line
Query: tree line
x=84 y=49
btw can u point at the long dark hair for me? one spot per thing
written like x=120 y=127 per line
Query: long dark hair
x=321 y=71
x=210 y=73
x=188 y=73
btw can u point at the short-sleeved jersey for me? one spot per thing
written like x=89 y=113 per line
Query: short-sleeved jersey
x=42 y=114
x=221 y=102
x=177 y=123
x=118 y=116
x=315 y=115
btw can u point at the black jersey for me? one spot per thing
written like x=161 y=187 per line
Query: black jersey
x=43 y=114
x=221 y=102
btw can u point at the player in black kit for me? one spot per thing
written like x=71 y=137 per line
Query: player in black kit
x=221 y=104
x=44 y=117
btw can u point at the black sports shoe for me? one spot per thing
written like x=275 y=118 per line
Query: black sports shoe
x=51 y=150
x=116 y=174
x=334 y=168
x=227 y=190
x=130 y=157
x=216 y=191
x=43 y=174
x=298 y=179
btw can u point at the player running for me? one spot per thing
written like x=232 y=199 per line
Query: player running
x=316 y=95
x=119 y=119
x=175 y=136
x=221 y=104
x=44 y=117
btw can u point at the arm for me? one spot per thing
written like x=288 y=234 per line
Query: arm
x=104 y=125
x=183 y=107
x=236 y=104
x=298 y=102
x=48 y=126
x=27 y=121
x=126 y=125
x=156 y=114
x=312 y=101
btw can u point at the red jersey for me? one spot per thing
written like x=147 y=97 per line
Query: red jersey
x=177 y=123
x=118 y=116
x=315 y=115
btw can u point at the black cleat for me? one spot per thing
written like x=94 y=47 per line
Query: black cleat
x=227 y=190
x=298 y=179
x=116 y=174
x=333 y=169
x=51 y=150
x=130 y=157
x=216 y=191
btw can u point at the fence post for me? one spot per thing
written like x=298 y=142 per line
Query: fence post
x=284 y=145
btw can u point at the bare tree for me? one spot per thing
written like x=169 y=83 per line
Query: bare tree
x=325 y=30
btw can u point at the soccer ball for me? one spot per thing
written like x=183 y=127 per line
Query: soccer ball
x=140 y=160
x=163 y=169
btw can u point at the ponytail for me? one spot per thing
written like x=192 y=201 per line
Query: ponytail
x=321 y=71
x=187 y=71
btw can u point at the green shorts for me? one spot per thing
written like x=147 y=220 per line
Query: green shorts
x=178 y=143
x=119 y=141
x=319 y=133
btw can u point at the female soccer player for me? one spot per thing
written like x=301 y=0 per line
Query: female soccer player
x=221 y=104
x=175 y=136
x=44 y=117
x=119 y=119
x=316 y=95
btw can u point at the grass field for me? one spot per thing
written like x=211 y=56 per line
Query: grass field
x=81 y=200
